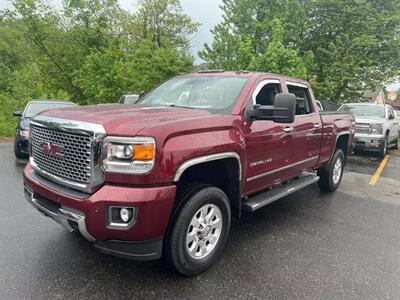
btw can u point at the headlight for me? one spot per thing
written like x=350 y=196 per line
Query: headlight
x=24 y=133
x=129 y=155
x=377 y=128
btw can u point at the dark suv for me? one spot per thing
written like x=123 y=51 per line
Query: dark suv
x=31 y=109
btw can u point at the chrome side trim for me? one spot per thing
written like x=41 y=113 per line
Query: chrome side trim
x=281 y=169
x=306 y=115
x=207 y=158
x=62 y=215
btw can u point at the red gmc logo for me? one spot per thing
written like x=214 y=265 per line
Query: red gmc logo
x=52 y=149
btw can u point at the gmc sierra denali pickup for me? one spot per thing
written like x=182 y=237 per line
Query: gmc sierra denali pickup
x=165 y=177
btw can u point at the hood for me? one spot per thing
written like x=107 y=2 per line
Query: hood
x=369 y=120
x=127 y=119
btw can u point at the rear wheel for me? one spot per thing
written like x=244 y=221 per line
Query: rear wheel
x=330 y=176
x=397 y=142
x=199 y=230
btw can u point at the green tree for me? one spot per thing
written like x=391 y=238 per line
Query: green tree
x=345 y=46
x=277 y=58
x=90 y=51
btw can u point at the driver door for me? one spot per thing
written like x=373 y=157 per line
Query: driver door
x=267 y=142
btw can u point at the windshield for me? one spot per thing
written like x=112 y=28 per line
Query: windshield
x=365 y=110
x=34 y=108
x=213 y=93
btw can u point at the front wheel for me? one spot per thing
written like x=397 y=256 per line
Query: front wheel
x=17 y=150
x=199 y=231
x=384 y=148
x=330 y=176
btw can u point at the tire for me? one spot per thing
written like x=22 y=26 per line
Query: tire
x=192 y=247
x=17 y=151
x=384 y=148
x=397 y=145
x=331 y=175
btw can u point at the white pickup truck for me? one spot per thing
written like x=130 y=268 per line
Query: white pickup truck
x=377 y=127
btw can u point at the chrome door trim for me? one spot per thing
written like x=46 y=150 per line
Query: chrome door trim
x=261 y=85
x=281 y=168
x=207 y=158
x=292 y=83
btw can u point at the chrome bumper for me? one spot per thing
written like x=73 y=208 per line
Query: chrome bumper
x=69 y=218
x=371 y=142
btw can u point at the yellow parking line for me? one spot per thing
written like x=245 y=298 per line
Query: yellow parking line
x=379 y=171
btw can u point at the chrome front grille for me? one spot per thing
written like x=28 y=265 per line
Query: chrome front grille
x=363 y=128
x=65 y=155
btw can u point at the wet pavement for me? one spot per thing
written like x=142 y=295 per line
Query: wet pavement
x=344 y=245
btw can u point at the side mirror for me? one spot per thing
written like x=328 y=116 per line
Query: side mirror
x=283 y=110
x=17 y=114
x=141 y=94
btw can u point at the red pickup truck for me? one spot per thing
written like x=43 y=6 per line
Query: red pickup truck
x=165 y=177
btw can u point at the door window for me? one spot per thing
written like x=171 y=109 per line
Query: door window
x=303 y=99
x=266 y=95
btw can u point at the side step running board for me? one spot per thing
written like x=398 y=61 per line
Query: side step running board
x=276 y=193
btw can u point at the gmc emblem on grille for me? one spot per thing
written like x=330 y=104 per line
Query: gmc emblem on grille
x=53 y=150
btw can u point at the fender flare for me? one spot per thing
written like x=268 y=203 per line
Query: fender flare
x=207 y=158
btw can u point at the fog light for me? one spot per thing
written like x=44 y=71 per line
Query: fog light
x=120 y=217
x=124 y=214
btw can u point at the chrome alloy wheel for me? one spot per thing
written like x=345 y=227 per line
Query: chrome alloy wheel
x=337 y=171
x=204 y=231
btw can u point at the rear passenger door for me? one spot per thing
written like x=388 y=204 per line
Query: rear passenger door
x=307 y=128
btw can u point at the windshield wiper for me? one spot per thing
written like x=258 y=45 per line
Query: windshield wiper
x=180 y=106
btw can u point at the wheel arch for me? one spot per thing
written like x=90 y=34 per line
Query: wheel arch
x=223 y=170
x=342 y=143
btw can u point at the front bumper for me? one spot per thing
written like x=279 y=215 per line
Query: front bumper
x=88 y=214
x=368 y=142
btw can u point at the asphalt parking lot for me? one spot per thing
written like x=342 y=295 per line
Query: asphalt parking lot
x=310 y=245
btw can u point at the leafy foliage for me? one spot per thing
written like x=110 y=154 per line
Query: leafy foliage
x=90 y=51
x=342 y=47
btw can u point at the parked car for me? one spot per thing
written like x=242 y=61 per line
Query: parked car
x=129 y=99
x=22 y=131
x=167 y=176
x=377 y=128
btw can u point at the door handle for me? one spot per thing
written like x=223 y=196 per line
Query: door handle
x=317 y=125
x=288 y=129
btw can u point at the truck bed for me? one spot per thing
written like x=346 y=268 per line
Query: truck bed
x=334 y=124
